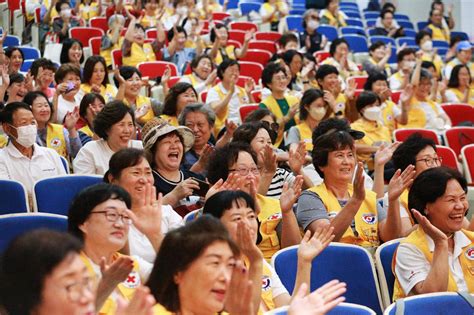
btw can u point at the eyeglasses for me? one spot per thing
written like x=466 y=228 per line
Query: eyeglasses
x=272 y=126
x=75 y=290
x=432 y=161
x=246 y=171
x=112 y=216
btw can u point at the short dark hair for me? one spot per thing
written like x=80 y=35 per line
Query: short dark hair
x=112 y=113
x=335 y=43
x=286 y=38
x=222 y=158
x=385 y=12
x=29 y=259
x=366 y=98
x=218 y=203
x=170 y=106
x=288 y=56
x=309 y=96
x=127 y=72
x=405 y=154
x=389 y=6
x=89 y=69
x=269 y=71
x=419 y=36
x=192 y=240
x=123 y=159
x=224 y=65
x=436 y=2
x=325 y=70
x=330 y=135
x=258 y=114
x=44 y=63
x=248 y=131
x=9 y=52
x=67 y=44
x=151 y=153
x=64 y=70
x=60 y=3
x=376 y=46
x=454 y=78
x=30 y=97
x=6 y=115
x=425 y=64
x=374 y=77
x=179 y=29
x=88 y=99
x=89 y=198
x=430 y=185
x=212 y=35
x=404 y=52
x=196 y=60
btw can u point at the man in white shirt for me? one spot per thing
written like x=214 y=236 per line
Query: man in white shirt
x=22 y=159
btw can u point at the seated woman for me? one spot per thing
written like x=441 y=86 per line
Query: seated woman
x=310 y=38
x=66 y=97
x=112 y=39
x=62 y=283
x=226 y=97
x=238 y=160
x=436 y=256
x=115 y=125
x=424 y=40
x=89 y=9
x=100 y=218
x=129 y=169
x=459 y=89
x=352 y=210
x=203 y=74
x=237 y=211
x=273 y=178
x=165 y=146
x=377 y=82
x=339 y=52
x=72 y=52
x=43 y=71
x=438 y=30
x=376 y=134
x=65 y=21
x=274 y=11
x=378 y=60
x=387 y=26
x=13 y=89
x=417 y=109
x=91 y=105
x=313 y=109
x=14 y=59
x=332 y=15
x=95 y=79
x=179 y=96
x=294 y=61
x=64 y=139
x=221 y=50
x=129 y=81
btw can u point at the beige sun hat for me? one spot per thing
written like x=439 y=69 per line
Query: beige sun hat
x=158 y=127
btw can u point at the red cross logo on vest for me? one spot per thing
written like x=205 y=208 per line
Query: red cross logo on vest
x=132 y=281
x=55 y=142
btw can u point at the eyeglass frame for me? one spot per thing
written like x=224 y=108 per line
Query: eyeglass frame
x=430 y=164
x=119 y=216
x=74 y=290
x=255 y=171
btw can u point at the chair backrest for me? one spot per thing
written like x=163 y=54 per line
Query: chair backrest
x=237 y=35
x=357 y=43
x=99 y=22
x=65 y=163
x=370 y=22
x=295 y=23
x=203 y=96
x=409 y=41
x=219 y=16
x=54 y=194
x=403 y=134
x=433 y=303
x=458 y=137
x=257 y=96
x=383 y=39
x=440 y=44
x=360 y=80
x=396 y=96
x=371 y=14
x=320 y=55
x=26 y=65
x=94 y=44
x=251 y=69
x=421 y=25
x=463 y=35
x=329 y=31
x=13 y=197
x=271 y=36
x=11 y=40
x=467 y=156
x=346 y=30
x=354 y=22
x=406 y=24
x=263 y=45
x=173 y=80
x=116 y=58
x=410 y=33
x=13 y=225
x=191 y=216
x=352 y=14
x=243 y=26
x=332 y=263
x=459 y=112
x=155 y=69
x=257 y=55
x=83 y=34
x=401 y=17
x=30 y=52
x=247 y=109
x=448 y=155
x=341 y=309
x=383 y=261
x=247 y=7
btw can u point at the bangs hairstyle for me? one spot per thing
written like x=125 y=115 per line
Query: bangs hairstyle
x=67 y=44
x=89 y=69
x=127 y=72
x=454 y=78
x=309 y=97
x=192 y=240
x=112 y=113
x=88 y=99
x=225 y=200
x=196 y=60
x=88 y=199
x=248 y=131
x=150 y=154
x=430 y=185
x=374 y=77
x=121 y=160
x=27 y=262
x=30 y=97
x=170 y=106
x=406 y=152
x=332 y=140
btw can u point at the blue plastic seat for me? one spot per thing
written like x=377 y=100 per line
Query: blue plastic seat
x=371 y=15
x=384 y=39
x=354 y=22
x=440 y=44
x=349 y=4
x=409 y=41
x=406 y=24
x=347 y=30
x=26 y=65
x=13 y=225
x=370 y=22
x=247 y=7
x=30 y=52
x=341 y=309
x=421 y=25
x=295 y=23
x=463 y=35
x=401 y=17
x=329 y=31
x=410 y=33
x=297 y=11
x=383 y=258
x=55 y=194
x=433 y=303
x=11 y=40
x=13 y=197
x=353 y=14
x=357 y=43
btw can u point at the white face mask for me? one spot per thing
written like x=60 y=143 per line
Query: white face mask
x=66 y=13
x=427 y=46
x=313 y=24
x=317 y=113
x=372 y=113
x=26 y=135
x=183 y=10
x=410 y=64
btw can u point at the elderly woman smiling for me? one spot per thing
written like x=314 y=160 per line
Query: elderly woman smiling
x=115 y=124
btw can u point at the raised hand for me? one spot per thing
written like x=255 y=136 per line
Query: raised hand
x=233 y=182
x=5 y=76
x=71 y=118
x=289 y=195
x=230 y=127
x=359 y=188
x=350 y=88
x=399 y=182
x=117 y=272
x=269 y=158
x=146 y=216
x=436 y=234
x=407 y=93
x=330 y=99
x=297 y=157
x=238 y=300
x=185 y=188
x=3 y=37
x=246 y=242
x=318 y=302
x=249 y=85
x=141 y=303
x=118 y=76
x=385 y=152
x=167 y=74
x=312 y=246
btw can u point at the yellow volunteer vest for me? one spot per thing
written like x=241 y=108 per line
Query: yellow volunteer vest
x=435 y=59
x=141 y=101
x=159 y=309
x=460 y=95
x=107 y=53
x=149 y=21
x=126 y=288
x=270 y=216
x=266 y=303
x=337 y=22
x=438 y=33
x=3 y=140
x=220 y=119
x=108 y=92
x=55 y=139
x=139 y=54
x=271 y=103
x=416 y=114
x=388 y=70
x=88 y=12
x=388 y=116
x=172 y=120
x=306 y=134
x=466 y=259
x=87 y=130
x=229 y=50
x=341 y=101
x=366 y=221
